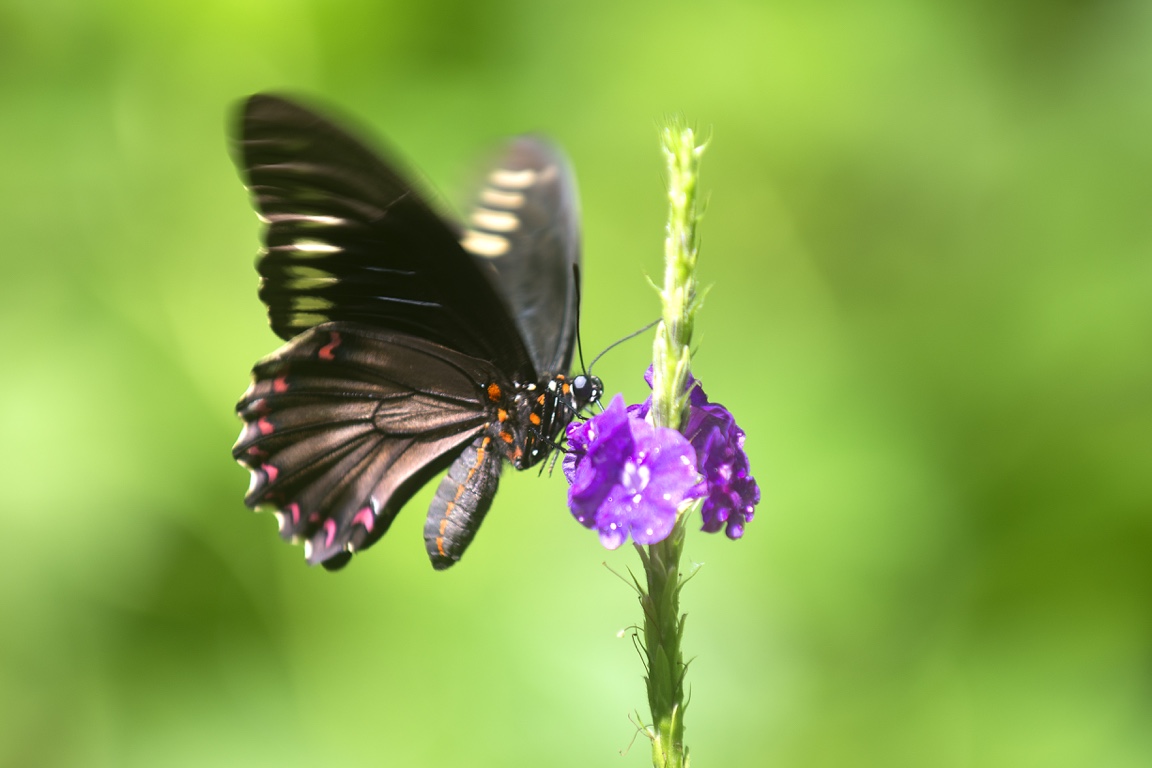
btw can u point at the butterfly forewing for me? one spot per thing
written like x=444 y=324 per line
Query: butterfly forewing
x=524 y=223
x=349 y=240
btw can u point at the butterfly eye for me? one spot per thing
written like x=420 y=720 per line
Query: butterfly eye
x=586 y=390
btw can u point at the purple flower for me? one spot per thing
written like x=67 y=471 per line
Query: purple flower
x=732 y=492
x=628 y=478
x=606 y=455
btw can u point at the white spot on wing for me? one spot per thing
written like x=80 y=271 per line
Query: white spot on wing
x=320 y=221
x=483 y=244
x=496 y=221
x=500 y=198
x=307 y=278
x=310 y=303
x=310 y=284
x=308 y=319
x=296 y=270
x=305 y=245
x=502 y=177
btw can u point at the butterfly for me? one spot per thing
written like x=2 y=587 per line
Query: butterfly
x=414 y=344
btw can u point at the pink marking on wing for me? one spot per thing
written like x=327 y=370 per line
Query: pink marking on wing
x=256 y=452
x=365 y=518
x=294 y=510
x=280 y=385
x=328 y=351
x=330 y=527
x=271 y=471
x=265 y=426
x=314 y=517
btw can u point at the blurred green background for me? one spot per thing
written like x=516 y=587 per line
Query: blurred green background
x=928 y=240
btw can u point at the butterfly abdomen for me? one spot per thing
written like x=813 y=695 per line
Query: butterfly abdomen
x=525 y=425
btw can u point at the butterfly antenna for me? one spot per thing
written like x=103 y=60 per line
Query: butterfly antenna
x=579 y=347
x=618 y=342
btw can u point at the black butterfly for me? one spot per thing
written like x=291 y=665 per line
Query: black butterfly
x=414 y=344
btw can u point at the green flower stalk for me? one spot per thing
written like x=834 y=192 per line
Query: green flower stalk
x=663 y=622
x=670 y=351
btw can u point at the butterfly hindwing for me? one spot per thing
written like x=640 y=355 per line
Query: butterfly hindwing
x=345 y=422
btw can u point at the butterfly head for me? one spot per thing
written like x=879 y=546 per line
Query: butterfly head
x=586 y=390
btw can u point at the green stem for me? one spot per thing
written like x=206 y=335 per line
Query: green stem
x=663 y=622
x=663 y=630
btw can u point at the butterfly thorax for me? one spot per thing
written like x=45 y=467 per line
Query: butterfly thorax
x=531 y=418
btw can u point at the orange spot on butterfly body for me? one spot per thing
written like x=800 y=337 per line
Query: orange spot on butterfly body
x=443 y=528
x=494 y=392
